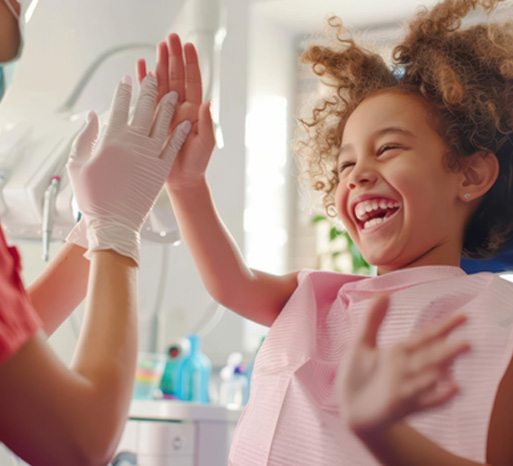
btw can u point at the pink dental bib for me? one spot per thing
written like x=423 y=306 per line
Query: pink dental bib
x=292 y=416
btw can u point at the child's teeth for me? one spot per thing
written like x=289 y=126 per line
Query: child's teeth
x=363 y=208
x=372 y=222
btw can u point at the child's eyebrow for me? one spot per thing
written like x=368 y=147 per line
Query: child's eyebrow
x=378 y=133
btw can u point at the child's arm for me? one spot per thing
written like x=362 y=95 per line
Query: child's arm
x=401 y=445
x=61 y=286
x=253 y=294
x=378 y=387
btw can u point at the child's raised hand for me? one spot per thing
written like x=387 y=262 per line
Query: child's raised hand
x=185 y=79
x=378 y=386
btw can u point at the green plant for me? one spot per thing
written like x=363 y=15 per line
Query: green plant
x=359 y=264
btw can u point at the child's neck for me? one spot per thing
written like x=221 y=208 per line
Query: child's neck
x=442 y=255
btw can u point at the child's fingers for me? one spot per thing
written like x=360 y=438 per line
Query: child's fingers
x=369 y=332
x=162 y=70
x=421 y=383
x=141 y=70
x=435 y=331
x=438 y=396
x=438 y=354
x=176 y=70
x=428 y=389
x=193 y=88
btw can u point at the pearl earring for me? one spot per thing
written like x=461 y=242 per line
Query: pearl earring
x=467 y=196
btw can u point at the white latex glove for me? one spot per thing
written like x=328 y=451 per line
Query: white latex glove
x=117 y=180
x=78 y=234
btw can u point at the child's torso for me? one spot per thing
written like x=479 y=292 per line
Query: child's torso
x=292 y=416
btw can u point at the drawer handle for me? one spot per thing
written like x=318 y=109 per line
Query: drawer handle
x=177 y=443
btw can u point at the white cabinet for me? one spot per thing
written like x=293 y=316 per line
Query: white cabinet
x=174 y=433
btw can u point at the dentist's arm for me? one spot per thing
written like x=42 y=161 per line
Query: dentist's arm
x=253 y=294
x=53 y=415
x=60 y=287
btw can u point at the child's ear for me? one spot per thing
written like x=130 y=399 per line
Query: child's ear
x=478 y=175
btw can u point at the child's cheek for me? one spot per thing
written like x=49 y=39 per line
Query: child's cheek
x=341 y=203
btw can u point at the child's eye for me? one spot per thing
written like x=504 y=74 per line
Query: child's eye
x=386 y=147
x=344 y=165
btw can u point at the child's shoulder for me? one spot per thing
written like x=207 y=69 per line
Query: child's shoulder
x=491 y=282
x=323 y=283
x=328 y=278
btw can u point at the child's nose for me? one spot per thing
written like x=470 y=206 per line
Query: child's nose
x=361 y=175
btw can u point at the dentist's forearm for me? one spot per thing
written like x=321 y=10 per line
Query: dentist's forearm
x=61 y=287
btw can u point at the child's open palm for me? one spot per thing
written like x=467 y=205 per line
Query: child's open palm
x=378 y=386
x=185 y=79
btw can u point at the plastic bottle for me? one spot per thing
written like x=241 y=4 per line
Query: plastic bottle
x=195 y=372
x=233 y=384
x=170 y=382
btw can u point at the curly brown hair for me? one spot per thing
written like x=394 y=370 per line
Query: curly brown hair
x=465 y=77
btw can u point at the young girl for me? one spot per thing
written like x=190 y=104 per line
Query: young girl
x=419 y=166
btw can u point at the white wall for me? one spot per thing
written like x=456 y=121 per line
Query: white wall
x=271 y=79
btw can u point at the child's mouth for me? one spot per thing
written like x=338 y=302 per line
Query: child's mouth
x=373 y=212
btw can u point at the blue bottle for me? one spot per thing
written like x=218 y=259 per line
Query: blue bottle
x=170 y=382
x=195 y=372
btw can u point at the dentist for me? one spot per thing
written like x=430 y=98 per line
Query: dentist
x=51 y=414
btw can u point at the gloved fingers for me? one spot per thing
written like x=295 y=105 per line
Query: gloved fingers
x=176 y=142
x=145 y=106
x=83 y=144
x=121 y=104
x=165 y=114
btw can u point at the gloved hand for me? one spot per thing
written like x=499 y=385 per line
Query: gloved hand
x=117 y=180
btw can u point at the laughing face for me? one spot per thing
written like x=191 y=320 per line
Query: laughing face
x=395 y=196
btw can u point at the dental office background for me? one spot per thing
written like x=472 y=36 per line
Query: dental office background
x=76 y=52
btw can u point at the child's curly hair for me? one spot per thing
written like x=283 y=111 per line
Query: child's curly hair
x=465 y=75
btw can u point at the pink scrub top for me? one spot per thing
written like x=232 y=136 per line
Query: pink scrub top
x=292 y=417
x=18 y=319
